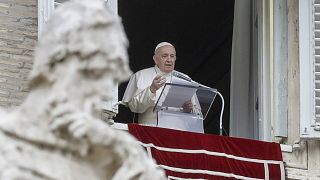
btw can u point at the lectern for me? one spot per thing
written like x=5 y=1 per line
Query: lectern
x=169 y=107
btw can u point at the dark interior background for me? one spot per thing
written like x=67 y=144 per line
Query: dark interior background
x=201 y=31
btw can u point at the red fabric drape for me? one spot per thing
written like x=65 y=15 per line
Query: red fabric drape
x=202 y=156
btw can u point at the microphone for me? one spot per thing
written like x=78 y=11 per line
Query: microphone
x=181 y=76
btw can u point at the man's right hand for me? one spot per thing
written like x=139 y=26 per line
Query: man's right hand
x=187 y=106
x=157 y=82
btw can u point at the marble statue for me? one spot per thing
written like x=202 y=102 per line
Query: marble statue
x=56 y=133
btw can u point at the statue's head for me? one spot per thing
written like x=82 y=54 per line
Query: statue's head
x=82 y=50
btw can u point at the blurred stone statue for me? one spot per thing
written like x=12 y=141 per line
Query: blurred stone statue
x=56 y=133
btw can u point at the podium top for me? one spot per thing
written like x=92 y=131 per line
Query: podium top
x=173 y=96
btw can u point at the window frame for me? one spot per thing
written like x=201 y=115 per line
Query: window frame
x=45 y=9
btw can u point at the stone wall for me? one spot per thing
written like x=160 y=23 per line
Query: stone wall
x=18 y=36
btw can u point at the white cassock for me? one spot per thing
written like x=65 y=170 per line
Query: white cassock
x=138 y=96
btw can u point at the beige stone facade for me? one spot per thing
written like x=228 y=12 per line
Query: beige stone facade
x=18 y=36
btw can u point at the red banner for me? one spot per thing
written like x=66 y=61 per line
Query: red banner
x=187 y=155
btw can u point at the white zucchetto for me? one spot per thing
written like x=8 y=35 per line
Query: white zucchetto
x=162 y=44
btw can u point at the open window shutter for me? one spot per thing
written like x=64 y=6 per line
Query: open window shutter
x=316 y=14
x=309 y=32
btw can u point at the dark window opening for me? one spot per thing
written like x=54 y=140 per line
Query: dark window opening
x=202 y=34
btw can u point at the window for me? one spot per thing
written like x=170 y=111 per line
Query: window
x=45 y=9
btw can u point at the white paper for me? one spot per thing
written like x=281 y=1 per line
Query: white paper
x=176 y=96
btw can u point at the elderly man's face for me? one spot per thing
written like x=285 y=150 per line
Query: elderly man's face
x=165 y=58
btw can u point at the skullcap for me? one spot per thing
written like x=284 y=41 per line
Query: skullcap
x=162 y=44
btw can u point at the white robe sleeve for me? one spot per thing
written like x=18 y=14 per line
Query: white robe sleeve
x=138 y=100
x=142 y=101
x=130 y=90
